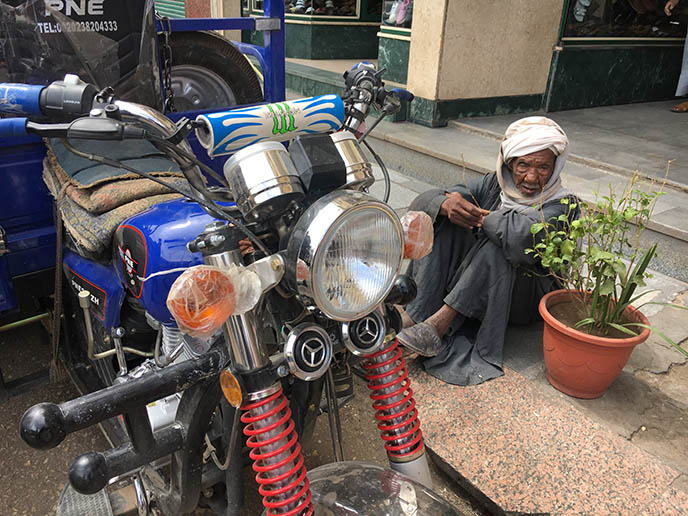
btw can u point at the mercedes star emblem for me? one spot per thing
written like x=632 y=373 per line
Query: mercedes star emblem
x=367 y=330
x=313 y=352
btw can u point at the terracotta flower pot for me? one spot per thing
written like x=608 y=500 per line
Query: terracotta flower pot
x=579 y=364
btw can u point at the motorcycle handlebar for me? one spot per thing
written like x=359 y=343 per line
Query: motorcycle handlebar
x=18 y=99
x=70 y=96
x=13 y=127
x=403 y=94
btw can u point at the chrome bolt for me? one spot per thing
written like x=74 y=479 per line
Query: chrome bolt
x=282 y=371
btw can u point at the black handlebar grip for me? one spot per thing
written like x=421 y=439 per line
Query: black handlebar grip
x=43 y=426
x=88 y=474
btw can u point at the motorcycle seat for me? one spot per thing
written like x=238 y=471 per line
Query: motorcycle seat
x=95 y=198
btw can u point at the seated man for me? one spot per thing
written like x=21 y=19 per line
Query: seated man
x=478 y=278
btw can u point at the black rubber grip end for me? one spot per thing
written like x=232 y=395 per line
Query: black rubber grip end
x=88 y=474
x=43 y=426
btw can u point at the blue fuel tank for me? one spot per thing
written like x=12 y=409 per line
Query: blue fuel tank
x=154 y=241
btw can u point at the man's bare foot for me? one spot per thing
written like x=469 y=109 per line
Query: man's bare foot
x=406 y=321
x=680 y=108
x=441 y=319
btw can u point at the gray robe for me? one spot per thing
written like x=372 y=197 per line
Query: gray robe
x=682 y=87
x=484 y=275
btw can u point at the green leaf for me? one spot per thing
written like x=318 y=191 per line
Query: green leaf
x=607 y=287
x=630 y=213
x=536 y=228
x=671 y=305
x=623 y=329
x=583 y=322
x=667 y=339
x=619 y=267
x=567 y=247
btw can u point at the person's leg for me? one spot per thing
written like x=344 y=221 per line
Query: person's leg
x=406 y=320
x=427 y=317
x=484 y=275
x=441 y=319
x=433 y=273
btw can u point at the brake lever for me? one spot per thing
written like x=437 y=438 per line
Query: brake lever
x=88 y=128
x=100 y=128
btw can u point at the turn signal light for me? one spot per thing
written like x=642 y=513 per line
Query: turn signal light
x=419 y=234
x=231 y=388
x=201 y=299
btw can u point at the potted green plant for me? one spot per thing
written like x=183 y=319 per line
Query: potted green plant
x=591 y=327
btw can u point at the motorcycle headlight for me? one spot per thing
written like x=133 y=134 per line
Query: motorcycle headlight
x=345 y=253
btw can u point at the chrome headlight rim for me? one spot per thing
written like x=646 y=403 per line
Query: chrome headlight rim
x=320 y=221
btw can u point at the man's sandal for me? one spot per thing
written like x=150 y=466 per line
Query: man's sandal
x=421 y=338
x=680 y=108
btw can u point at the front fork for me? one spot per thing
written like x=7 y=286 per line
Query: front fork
x=270 y=429
x=272 y=438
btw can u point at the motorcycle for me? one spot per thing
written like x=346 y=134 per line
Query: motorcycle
x=230 y=305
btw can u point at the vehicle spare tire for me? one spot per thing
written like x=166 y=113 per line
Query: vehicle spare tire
x=209 y=72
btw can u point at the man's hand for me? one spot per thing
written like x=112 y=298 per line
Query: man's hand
x=462 y=212
x=670 y=5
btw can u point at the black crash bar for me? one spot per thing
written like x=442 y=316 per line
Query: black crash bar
x=46 y=425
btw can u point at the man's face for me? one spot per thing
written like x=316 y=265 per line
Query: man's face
x=532 y=171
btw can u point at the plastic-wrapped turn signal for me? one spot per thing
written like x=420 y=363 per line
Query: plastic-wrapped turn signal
x=419 y=234
x=203 y=297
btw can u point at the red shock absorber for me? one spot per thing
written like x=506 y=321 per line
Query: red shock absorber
x=276 y=453
x=393 y=401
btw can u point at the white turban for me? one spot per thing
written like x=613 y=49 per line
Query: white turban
x=525 y=136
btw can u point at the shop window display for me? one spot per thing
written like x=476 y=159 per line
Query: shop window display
x=620 y=19
x=321 y=7
x=397 y=13
x=363 y=10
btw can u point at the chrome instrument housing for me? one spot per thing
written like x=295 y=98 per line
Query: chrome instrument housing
x=263 y=179
x=359 y=171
